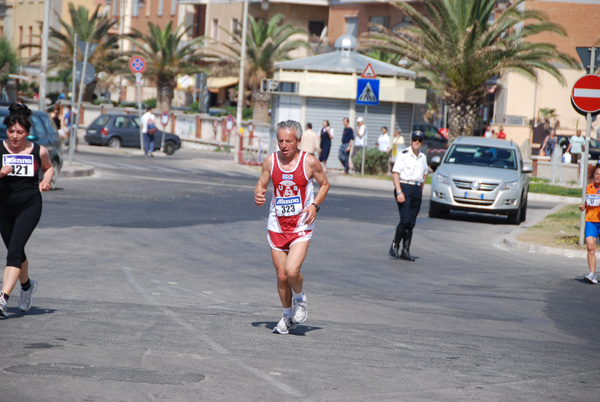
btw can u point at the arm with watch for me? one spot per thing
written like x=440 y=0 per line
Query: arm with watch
x=397 y=188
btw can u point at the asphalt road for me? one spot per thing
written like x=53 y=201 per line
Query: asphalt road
x=156 y=284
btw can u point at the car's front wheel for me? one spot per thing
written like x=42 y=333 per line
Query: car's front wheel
x=114 y=143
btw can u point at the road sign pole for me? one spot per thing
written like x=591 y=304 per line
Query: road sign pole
x=139 y=86
x=584 y=168
x=364 y=150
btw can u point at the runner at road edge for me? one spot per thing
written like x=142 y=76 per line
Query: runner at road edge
x=20 y=201
x=592 y=223
x=292 y=215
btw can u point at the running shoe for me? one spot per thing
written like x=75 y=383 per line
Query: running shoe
x=285 y=326
x=300 y=310
x=3 y=306
x=591 y=278
x=26 y=299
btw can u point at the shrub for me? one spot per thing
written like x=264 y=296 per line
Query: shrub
x=376 y=162
x=151 y=103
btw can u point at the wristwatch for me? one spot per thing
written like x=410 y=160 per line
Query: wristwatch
x=316 y=206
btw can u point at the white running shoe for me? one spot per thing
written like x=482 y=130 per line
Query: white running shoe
x=300 y=310
x=285 y=326
x=26 y=299
x=591 y=278
x=3 y=307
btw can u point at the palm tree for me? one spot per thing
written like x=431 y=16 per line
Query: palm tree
x=267 y=42
x=92 y=28
x=8 y=61
x=456 y=47
x=167 y=56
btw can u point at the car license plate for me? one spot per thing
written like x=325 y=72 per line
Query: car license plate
x=92 y=131
x=473 y=196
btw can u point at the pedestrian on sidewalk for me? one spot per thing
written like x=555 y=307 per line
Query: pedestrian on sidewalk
x=148 y=130
x=20 y=201
x=326 y=135
x=311 y=142
x=346 y=145
x=408 y=174
x=292 y=215
x=592 y=223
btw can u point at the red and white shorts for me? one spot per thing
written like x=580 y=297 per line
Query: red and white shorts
x=283 y=241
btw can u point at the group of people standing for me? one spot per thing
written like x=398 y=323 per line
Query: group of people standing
x=352 y=142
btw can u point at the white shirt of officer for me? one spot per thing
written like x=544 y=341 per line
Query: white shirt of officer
x=409 y=166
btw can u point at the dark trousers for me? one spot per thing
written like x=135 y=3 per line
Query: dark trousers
x=148 y=143
x=409 y=209
x=18 y=219
x=344 y=157
x=575 y=158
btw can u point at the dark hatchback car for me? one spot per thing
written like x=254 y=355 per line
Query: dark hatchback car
x=42 y=132
x=120 y=129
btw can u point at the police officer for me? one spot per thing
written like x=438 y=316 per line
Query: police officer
x=409 y=174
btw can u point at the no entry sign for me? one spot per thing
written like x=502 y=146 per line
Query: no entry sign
x=586 y=94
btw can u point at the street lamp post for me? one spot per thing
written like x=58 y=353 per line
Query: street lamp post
x=240 y=100
x=44 y=63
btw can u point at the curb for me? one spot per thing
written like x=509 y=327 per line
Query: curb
x=76 y=170
x=511 y=239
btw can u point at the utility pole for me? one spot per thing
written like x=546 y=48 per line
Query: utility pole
x=240 y=100
x=44 y=65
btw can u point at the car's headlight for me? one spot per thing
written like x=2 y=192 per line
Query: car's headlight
x=511 y=185
x=440 y=178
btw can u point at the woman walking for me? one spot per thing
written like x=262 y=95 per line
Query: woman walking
x=20 y=201
x=326 y=137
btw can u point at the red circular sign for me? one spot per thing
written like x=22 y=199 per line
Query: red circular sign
x=586 y=93
x=137 y=64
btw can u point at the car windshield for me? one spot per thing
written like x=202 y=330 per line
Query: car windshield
x=475 y=155
x=594 y=143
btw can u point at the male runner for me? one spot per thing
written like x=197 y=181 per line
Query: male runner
x=292 y=216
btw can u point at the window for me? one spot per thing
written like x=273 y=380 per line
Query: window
x=37 y=127
x=215 y=28
x=30 y=38
x=173 y=4
x=136 y=8
x=148 y=7
x=20 y=40
x=379 y=20
x=121 y=122
x=160 y=7
x=235 y=27
x=315 y=28
x=352 y=26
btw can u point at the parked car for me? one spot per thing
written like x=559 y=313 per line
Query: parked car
x=42 y=132
x=435 y=144
x=594 y=152
x=121 y=129
x=481 y=175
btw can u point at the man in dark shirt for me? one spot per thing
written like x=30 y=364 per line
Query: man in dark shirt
x=346 y=146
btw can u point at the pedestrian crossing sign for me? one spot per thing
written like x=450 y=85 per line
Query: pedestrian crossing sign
x=367 y=91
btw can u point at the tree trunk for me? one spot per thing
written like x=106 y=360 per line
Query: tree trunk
x=261 y=102
x=88 y=91
x=164 y=97
x=462 y=115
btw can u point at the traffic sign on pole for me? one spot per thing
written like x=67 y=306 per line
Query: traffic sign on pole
x=585 y=95
x=367 y=91
x=369 y=72
x=229 y=123
x=137 y=64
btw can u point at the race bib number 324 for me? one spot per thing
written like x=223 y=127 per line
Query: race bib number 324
x=22 y=165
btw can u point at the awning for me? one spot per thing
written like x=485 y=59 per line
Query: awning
x=215 y=83
x=20 y=77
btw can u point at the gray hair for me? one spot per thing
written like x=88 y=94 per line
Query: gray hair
x=291 y=125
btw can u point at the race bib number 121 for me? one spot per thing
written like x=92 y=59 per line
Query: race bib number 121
x=22 y=165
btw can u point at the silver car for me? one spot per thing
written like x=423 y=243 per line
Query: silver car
x=481 y=175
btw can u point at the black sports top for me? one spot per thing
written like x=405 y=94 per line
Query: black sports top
x=20 y=186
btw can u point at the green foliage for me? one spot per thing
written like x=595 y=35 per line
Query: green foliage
x=569 y=212
x=376 y=162
x=150 y=102
x=8 y=59
x=457 y=45
x=194 y=106
x=232 y=110
x=554 y=190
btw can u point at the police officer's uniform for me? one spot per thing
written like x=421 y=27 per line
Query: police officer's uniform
x=412 y=170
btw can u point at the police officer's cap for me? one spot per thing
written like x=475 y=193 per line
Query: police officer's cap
x=417 y=134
